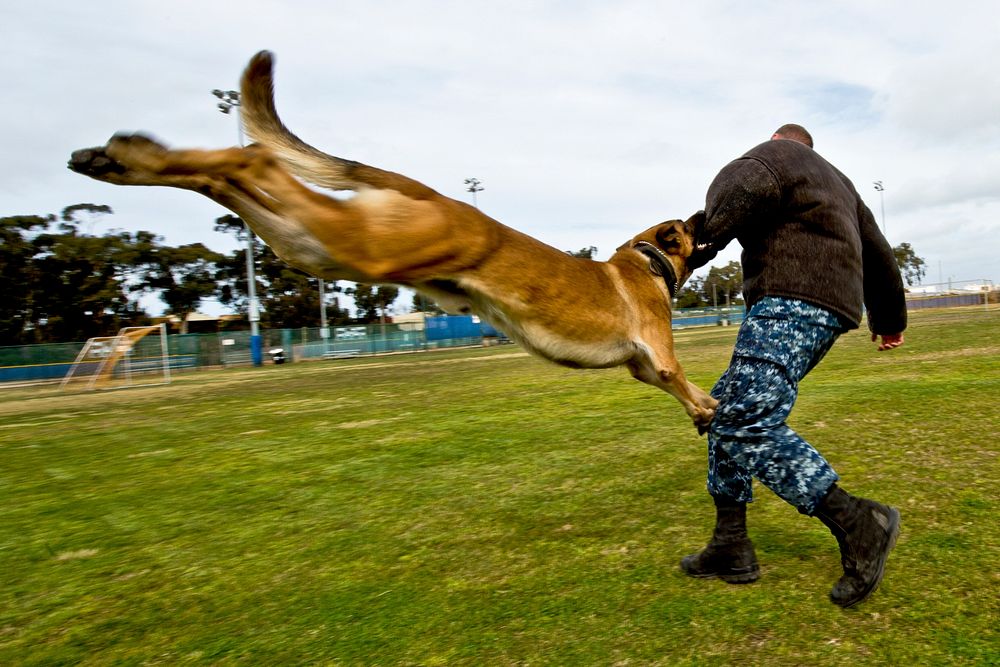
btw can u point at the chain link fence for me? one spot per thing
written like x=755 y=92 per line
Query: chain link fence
x=50 y=362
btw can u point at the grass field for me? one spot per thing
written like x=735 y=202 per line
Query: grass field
x=486 y=508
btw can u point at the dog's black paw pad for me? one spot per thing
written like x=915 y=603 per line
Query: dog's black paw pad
x=94 y=162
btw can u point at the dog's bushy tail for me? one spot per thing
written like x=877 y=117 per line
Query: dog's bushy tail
x=262 y=125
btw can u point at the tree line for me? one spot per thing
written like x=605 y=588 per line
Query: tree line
x=59 y=283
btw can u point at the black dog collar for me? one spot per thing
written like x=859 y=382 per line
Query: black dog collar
x=659 y=265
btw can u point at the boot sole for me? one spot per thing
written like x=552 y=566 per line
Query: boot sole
x=742 y=578
x=893 y=528
x=747 y=577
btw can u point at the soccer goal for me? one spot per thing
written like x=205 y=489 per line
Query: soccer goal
x=137 y=356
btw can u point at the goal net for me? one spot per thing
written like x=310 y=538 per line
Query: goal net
x=137 y=356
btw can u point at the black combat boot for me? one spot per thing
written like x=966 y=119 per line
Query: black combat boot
x=866 y=532
x=729 y=555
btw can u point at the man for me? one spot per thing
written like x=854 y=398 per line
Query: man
x=812 y=254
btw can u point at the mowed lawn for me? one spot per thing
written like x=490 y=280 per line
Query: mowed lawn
x=485 y=508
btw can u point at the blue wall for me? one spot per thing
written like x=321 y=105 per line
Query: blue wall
x=452 y=326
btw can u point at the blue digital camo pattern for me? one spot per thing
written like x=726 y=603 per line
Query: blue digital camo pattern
x=779 y=342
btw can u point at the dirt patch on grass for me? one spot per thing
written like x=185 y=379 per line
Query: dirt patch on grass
x=158 y=452
x=989 y=351
x=365 y=423
x=77 y=555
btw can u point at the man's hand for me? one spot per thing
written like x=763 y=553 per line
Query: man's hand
x=889 y=341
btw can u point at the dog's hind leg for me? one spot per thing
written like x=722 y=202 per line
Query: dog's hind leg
x=377 y=236
x=223 y=176
x=138 y=160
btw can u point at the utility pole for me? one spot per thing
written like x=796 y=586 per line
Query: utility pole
x=229 y=100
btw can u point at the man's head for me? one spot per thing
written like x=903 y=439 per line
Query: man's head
x=795 y=133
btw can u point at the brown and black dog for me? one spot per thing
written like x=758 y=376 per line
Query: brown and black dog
x=576 y=312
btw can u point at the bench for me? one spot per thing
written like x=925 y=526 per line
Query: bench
x=341 y=354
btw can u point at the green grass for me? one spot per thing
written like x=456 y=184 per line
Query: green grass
x=485 y=508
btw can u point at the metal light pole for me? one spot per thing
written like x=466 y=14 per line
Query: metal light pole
x=228 y=100
x=324 y=331
x=474 y=186
x=881 y=195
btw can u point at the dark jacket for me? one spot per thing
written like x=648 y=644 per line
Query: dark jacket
x=806 y=235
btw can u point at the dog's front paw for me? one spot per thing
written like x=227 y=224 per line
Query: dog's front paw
x=703 y=419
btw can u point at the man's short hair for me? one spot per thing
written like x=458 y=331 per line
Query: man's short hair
x=795 y=133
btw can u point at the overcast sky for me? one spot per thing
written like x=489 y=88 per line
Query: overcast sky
x=585 y=121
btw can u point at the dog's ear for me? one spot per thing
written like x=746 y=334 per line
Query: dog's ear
x=670 y=237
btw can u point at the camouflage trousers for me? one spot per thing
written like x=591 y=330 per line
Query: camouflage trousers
x=779 y=342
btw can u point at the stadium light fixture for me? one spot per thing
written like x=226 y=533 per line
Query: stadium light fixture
x=475 y=185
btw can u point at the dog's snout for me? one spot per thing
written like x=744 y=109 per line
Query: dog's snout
x=695 y=224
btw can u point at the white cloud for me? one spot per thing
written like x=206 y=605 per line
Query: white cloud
x=951 y=96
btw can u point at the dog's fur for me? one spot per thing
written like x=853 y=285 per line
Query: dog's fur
x=572 y=311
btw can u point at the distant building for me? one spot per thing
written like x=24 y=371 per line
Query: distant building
x=410 y=321
x=202 y=323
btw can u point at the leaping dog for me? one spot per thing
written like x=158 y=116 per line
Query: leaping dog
x=575 y=312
